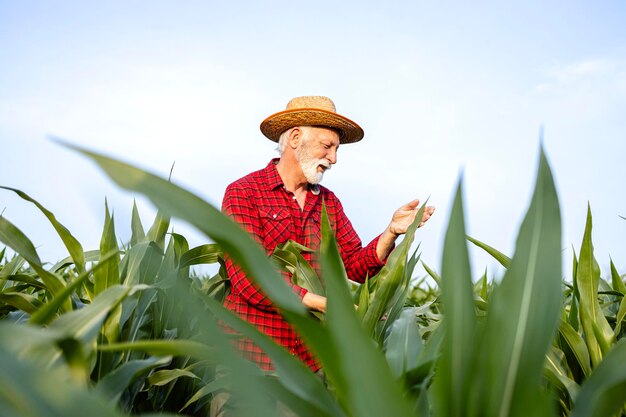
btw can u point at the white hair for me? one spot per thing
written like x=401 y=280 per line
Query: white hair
x=282 y=140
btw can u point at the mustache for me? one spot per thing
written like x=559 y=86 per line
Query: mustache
x=323 y=162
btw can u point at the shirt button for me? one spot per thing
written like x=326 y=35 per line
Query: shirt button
x=294 y=197
x=274 y=216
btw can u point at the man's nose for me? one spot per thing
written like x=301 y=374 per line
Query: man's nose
x=332 y=156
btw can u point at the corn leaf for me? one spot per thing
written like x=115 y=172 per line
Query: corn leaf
x=404 y=344
x=108 y=275
x=294 y=375
x=587 y=281
x=524 y=310
x=451 y=386
x=576 y=345
x=204 y=254
x=26 y=279
x=27 y=391
x=390 y=277
x=557 y=374
x=364 y=390
x=47 y=312
x=602 y=394
x=434 y=275
x=289 y=257
x=21 y=301
x=165 y=376
x=73 y=246
x=115 y=383
x=158 y=230
x=573 y=317
x=504 y=260
x=137 y=232
x=16 y=240
x=206 y=218
x=209 y=388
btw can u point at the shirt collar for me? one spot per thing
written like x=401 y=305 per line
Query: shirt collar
x=273 y=179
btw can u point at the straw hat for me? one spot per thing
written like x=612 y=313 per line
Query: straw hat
x=311 y=111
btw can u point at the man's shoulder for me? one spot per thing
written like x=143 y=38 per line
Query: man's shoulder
x=249 y=181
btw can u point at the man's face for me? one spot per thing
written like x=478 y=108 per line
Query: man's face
x=317 y=152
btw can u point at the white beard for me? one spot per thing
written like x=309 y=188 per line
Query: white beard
x=309 y=165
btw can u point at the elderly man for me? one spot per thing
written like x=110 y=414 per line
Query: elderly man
x=284 y=201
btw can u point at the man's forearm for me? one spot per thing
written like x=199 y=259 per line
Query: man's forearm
x=314 y=302
x=385 y=243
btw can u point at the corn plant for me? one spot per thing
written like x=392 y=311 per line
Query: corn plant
x=131 y=329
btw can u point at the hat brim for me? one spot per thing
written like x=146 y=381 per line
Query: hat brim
x=276 y=124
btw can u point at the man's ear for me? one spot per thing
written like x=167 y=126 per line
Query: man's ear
x=295 y=137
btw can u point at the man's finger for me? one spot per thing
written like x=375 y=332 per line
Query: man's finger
x=412 y=205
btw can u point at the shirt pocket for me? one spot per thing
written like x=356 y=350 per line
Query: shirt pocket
x=316 y=220
x=276 y=225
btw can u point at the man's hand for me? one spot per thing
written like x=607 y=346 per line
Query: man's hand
x=404 y=216
x=314 y=302
x=400 y=222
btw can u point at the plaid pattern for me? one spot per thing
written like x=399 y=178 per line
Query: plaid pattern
x=261 y=204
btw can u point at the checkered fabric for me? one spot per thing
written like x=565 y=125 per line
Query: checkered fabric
x=261 y=204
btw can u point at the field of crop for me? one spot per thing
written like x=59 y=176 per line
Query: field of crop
x=130 y=329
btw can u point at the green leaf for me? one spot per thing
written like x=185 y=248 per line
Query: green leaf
x=404 y=343
x=618 y=285
x=204 y=254
x=206 y=218
x=452 y=384
x=16 y=240
x=113 y=384
x=179 y=347
x=294 y=375
x=165 y=376
x=362 y=378
x=28 y=391
x=109 y=275
x=557 y=374
x=587 y=280
x=73 y=246
x=398 y=301
x=432 y=274
x=143 y=261
x=13 y=266
x=576 y=345
x=391 y=277
x=573 y=317
x=616 y=279
x=602 y=394
x=524 y=311
x=209 y=388
x=26 y=279
x=46 y=312
x=504 y=260
x=158 y=230
x=85 y=324
x=138 y=235
x=289 y=256
x=22 y=301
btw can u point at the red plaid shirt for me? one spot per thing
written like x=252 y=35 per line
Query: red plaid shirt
x=261 y=204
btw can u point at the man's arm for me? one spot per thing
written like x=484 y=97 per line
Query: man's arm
x=238 y=206
x=400 y=222
x=315 y=302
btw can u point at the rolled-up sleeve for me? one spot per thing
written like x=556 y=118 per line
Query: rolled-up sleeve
x=360 y=261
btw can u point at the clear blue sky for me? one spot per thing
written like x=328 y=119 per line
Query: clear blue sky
x=438 y=88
